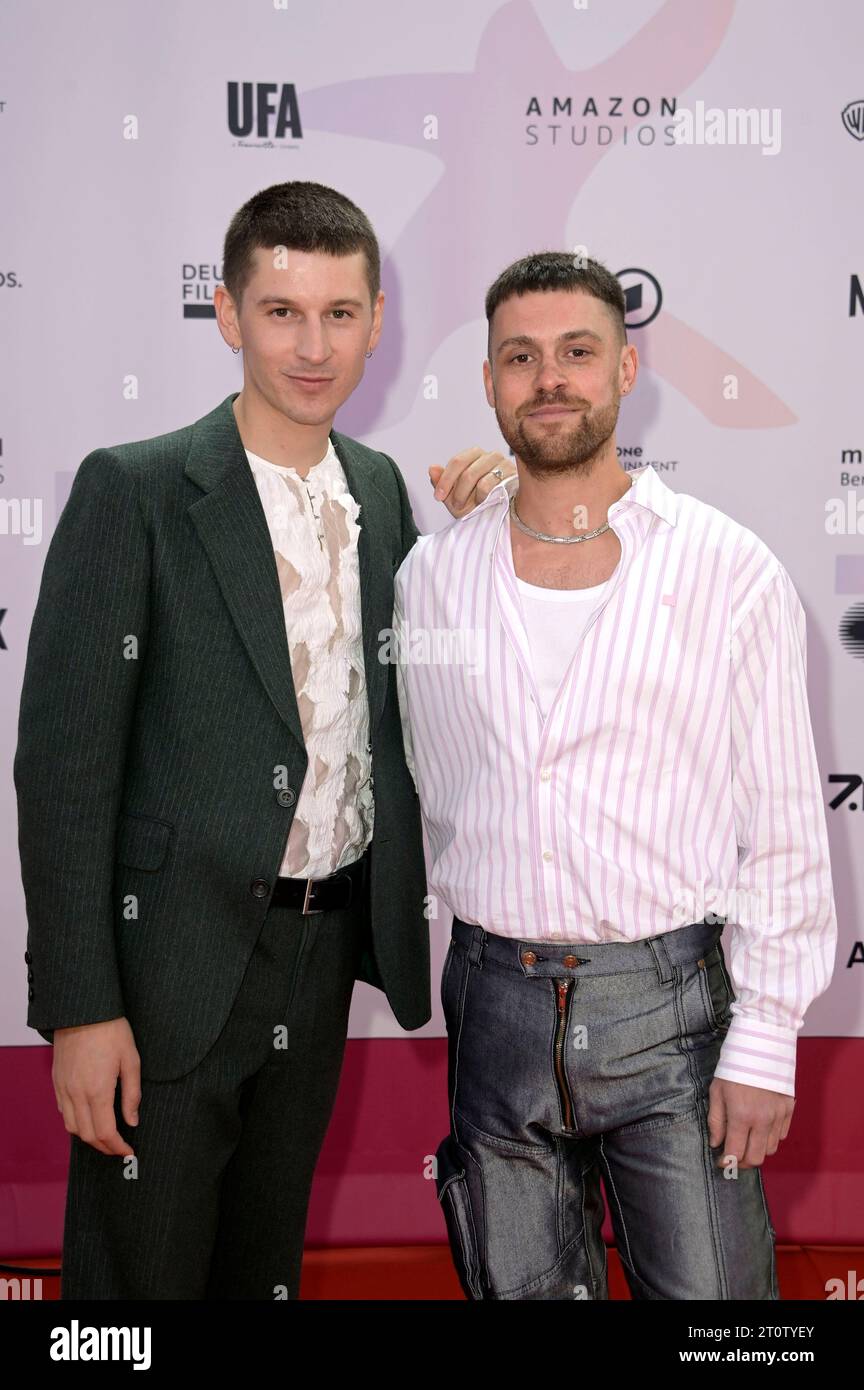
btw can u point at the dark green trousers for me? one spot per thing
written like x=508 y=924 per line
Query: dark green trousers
x=226 y=1154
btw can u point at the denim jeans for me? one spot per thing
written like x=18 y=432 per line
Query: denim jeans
x=568 y=1063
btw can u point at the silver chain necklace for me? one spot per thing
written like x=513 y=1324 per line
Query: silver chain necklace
x=556 y=540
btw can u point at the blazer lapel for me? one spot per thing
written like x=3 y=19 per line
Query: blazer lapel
x=232 y=527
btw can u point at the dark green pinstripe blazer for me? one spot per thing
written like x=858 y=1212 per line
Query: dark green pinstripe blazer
x=152 y=773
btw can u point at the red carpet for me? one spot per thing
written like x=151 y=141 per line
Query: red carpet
x=374 y=1222
x=425 y=1272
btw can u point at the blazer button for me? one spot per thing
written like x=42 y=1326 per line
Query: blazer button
x=30 y=996
x=27 y=957
x=286 y=797
x=259 y=888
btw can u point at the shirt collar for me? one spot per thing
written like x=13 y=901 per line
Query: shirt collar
x=646 y=490
x=328 y=465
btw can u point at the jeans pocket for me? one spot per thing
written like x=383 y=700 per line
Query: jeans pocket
x=448 y=961
x=716 y=990
x=452 y=979
x=455 y=1199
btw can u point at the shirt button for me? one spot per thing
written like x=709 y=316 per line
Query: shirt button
x=545 y=774
x=547 y=855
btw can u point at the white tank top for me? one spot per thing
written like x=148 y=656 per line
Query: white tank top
x=556 y=620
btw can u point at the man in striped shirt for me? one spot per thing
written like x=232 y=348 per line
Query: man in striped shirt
x=635 y=770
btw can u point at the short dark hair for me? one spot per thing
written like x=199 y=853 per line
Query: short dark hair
x=304 y=217
x=557 y=270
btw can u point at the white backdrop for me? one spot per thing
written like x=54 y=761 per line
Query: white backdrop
x=120 y=174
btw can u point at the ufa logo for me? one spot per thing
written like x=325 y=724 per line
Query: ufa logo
x=255 y=104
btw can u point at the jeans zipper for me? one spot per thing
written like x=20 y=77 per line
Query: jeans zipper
x=563 y=991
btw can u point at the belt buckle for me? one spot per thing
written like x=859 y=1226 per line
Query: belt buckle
x=306 y=909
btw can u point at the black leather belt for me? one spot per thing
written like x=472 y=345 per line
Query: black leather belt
x=339 y=890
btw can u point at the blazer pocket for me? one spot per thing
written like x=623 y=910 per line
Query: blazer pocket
x=142 y=842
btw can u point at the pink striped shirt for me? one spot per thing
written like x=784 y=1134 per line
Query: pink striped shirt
x=675 y=774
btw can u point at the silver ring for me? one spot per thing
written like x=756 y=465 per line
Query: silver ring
x=498 y=473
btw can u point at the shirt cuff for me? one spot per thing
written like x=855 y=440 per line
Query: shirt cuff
x=756 y=1053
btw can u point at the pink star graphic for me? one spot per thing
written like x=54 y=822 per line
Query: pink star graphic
x=508 y=197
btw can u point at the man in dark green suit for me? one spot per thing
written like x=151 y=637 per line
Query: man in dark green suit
x=160 y=761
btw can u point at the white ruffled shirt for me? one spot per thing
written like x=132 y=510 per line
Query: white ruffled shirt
x=313 y=526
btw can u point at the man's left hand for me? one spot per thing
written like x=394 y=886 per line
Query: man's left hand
x=467 y=479
x=748 y=1121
